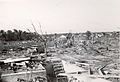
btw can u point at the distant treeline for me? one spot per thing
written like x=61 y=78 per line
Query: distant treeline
x=16 y=35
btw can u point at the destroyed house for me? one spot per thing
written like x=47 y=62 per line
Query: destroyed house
x=22 y=70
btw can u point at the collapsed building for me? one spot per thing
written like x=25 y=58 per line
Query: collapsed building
x=22 y=70
x=32 y=69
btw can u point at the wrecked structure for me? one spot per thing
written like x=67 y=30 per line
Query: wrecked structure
x=32 y=69
x=22 y=70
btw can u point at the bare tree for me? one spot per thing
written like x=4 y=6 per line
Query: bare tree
x=42 y=38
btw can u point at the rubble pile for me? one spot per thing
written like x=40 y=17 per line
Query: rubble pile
x=20 y=65
x=100 y=49
x=23 y=69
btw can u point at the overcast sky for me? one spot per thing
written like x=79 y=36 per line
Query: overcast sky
x=60 y=15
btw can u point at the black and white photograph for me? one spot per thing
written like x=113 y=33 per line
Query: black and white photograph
x=59 y=40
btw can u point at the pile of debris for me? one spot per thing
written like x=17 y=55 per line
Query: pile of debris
x=16 y=69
